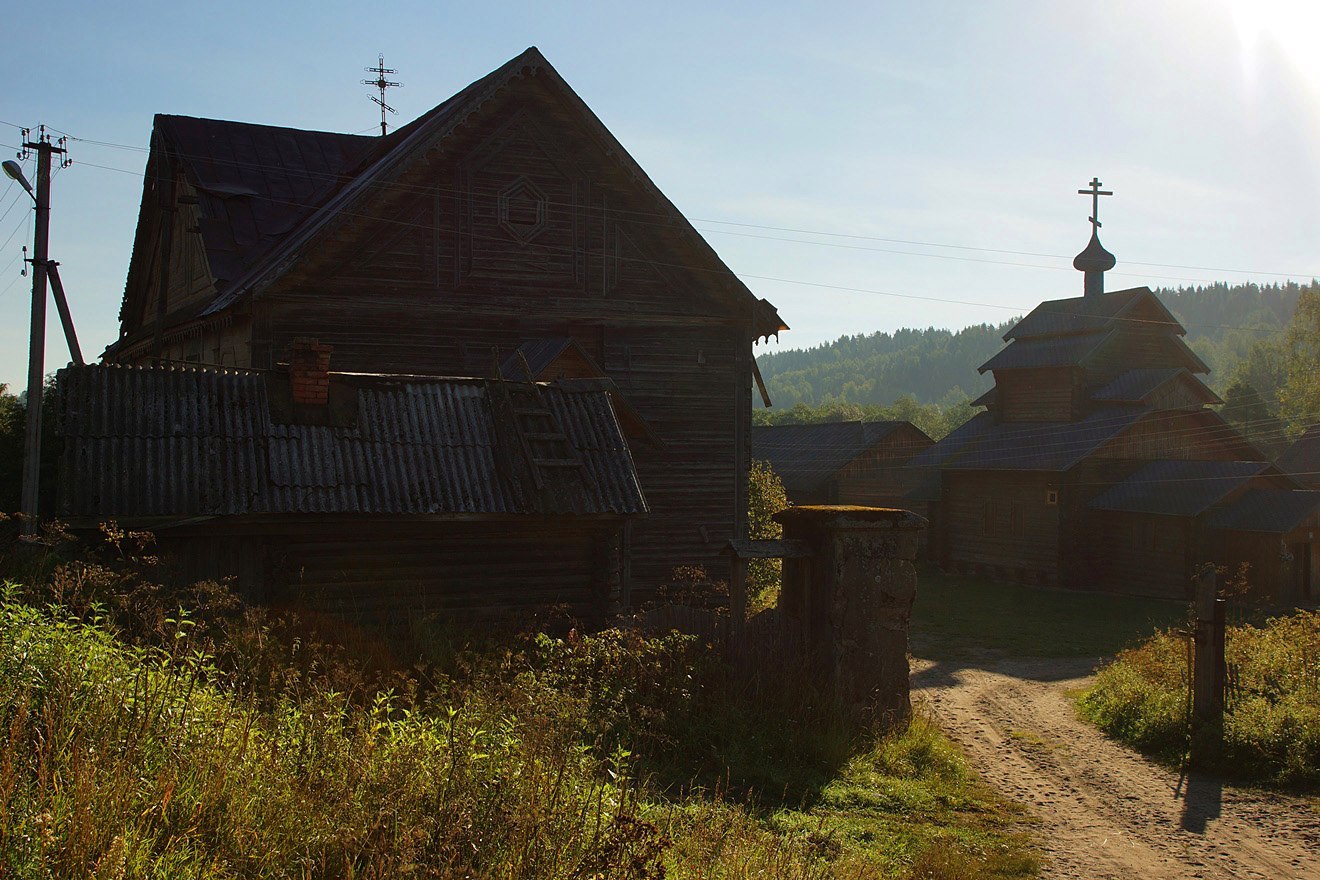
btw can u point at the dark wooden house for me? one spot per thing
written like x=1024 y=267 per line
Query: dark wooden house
x=507 y=222
x=1095 y=399
x=843 y=462
x=382 y=496
x=1301 y=460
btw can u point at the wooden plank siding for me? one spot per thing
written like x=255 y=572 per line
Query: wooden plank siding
x=1141 y=554
x=517 y=221
x=1048 y=394
x=1002 y=524
x=451 y=290
x=458 y=569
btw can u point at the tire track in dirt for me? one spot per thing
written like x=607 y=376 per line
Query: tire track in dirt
x=1104 y=811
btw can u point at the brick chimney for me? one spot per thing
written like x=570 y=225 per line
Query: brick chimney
x=309 y=371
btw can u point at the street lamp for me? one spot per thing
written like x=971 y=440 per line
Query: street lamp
x=14 y=171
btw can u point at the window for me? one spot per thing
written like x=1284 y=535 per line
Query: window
x=1052 y=497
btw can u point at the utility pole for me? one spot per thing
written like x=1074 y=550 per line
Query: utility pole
x=37 y=341
x=382 y=83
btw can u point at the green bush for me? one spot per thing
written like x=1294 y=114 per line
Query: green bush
x=1271 y=727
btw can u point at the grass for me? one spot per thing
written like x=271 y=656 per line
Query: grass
x=1270 y=732
x=957 y=616
x=551 y=758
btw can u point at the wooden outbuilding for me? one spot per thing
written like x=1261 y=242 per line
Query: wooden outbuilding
x=862 y=463
x=1301 y=460
x=385 y=496
x=507 y=222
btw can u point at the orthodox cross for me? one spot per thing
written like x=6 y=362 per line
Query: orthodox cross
x=382 y=83
x=1095 y=192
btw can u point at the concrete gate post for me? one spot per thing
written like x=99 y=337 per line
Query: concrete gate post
x=852 y=602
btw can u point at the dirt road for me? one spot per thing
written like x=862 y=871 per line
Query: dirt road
x=1104 y=811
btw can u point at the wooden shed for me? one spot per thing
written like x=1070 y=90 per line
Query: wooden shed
x=843 y=462
x=1301 y=460
x=381 y=495
x=507 y=219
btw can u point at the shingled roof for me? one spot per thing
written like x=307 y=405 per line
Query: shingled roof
x=1090 y=314
x=1135 y=386
x=1271 y=511
x=1178 y=488
x=180 y=442
x=805 y=457
x=982 y=443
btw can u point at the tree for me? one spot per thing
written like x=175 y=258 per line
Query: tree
x=1299 y=398
x=765 y=498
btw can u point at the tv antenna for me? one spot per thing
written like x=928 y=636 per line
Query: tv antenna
x=382 y=83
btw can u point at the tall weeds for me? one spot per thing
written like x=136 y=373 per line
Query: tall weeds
x=1271 y=727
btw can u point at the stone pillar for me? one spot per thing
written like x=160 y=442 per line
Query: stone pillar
x=852 y=601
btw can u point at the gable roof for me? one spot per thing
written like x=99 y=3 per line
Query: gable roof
x=1302 y=459
x=982 y=443
x=1063 y=351
x=805 y=457
x=1178 y=488
x=256 y=183
x=171 y=442
x=1135 y=386
x=1272 y=511
x=1089 y=314
x=345 y=168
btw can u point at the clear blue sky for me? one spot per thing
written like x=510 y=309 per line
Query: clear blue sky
x=968 y=124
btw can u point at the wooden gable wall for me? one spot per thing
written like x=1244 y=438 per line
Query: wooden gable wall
x=520 y=228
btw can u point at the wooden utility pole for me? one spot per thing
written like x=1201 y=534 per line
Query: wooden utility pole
x=1208 y=674
x=37 y=339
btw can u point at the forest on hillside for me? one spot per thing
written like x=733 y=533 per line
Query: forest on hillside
x=927 y=376
x=1223 y=322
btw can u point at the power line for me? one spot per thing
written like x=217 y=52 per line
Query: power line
x=743 y=275
x=794 y=230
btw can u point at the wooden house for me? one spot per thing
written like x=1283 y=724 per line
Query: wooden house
x=843 y=462
x=380 y=495
x=1301 y=460
x=505 y=222
x=1094 y=397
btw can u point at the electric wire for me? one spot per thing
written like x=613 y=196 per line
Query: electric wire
x=794 y=230
x=744 y=275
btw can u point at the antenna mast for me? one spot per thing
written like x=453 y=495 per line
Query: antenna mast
x=382 y=83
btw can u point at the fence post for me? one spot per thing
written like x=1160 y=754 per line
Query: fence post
x=1208 y=676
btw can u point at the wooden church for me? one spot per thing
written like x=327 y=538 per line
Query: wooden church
x=1097 y=462
x=504 y=235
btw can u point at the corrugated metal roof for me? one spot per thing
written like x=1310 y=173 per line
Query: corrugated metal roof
x=1273 y=511
x=1061 y=351
x=193 y=441
x=1178 y=488
x=1084 y=314
x=806 y=456
x=981 y=443
x=1302 y=459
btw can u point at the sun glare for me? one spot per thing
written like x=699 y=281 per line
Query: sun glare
x=1289 y=28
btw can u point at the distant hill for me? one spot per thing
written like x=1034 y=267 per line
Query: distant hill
x=934 y=365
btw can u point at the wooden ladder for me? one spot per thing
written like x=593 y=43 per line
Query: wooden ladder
x=546 y=447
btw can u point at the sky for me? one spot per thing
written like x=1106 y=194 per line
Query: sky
x=863 y=166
